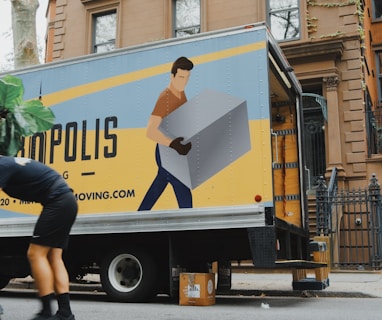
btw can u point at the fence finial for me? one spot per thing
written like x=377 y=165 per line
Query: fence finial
x=374 y=184
x=321 y=184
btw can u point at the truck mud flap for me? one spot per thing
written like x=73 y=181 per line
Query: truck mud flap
x=262 y=242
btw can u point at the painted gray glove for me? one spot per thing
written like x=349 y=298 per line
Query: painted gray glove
x=182 y=149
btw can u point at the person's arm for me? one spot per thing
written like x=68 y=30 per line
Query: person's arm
x=154 y=133
x=158 y=136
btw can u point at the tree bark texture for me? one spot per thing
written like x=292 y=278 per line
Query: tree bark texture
x=24 y=32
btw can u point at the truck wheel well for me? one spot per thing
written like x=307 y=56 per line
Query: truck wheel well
x=129 y=274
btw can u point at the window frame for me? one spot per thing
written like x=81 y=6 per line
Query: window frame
x=98 y=8
x=378 y=61
x=296 y=8
x=174 y=27
x=95 y=45
x=374 y=8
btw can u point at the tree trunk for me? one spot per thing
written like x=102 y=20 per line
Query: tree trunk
x=24 y=32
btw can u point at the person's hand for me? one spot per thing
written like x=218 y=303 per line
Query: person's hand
x=182 y=149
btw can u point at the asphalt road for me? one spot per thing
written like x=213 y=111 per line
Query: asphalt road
x=254 y=296
x=21 y=305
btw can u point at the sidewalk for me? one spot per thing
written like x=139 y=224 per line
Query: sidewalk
x=342 y=284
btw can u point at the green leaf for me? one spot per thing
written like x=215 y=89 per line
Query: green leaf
x=19 y=118
x=24 y=121
x=44 y=117
x=15 y=143
x=11 y=92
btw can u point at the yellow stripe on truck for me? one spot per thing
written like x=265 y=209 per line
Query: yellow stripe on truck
x=104 y=84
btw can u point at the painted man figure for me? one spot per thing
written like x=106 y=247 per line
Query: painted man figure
x=169 y=100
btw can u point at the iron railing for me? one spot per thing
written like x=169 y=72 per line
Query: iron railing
x=374 y=200
x=324 y=205
x=352 y=220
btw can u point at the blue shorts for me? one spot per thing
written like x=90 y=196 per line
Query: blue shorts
x=55 y=221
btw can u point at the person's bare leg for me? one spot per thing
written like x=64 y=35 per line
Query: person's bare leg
x=61 y=283
x=41 y=269
x=43 y=275
x=60 y=274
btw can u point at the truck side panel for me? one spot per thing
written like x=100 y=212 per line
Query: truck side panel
x=102 y=106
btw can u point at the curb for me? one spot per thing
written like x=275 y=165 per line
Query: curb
x=23 y=284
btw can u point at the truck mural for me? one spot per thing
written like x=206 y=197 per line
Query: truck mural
x=90 y=147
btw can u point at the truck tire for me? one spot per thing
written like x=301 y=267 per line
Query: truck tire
x=129 y=275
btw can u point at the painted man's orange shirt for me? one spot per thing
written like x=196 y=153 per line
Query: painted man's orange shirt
x=167 y=102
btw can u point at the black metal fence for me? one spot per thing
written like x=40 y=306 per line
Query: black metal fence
x=352 y=221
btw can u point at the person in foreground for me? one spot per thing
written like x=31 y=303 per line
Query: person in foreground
x=30 y=180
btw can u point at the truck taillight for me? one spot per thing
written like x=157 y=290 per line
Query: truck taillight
x=258 y=198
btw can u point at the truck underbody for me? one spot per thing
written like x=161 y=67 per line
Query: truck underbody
x=141 y=254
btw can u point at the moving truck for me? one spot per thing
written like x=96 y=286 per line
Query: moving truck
x=235 y=193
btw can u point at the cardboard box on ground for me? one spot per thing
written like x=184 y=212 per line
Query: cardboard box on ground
x=196 y=289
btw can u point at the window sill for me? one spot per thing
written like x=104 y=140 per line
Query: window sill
x=375 y=158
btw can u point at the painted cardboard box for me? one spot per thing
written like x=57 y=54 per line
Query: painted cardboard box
x=196 y=289
x=217 y=126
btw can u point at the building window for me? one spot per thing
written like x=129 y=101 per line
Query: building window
x=186 y=17
x=284 y=19
x=379 y=71
x=377 y=9
x=104 y=31
x=379 y=75
x=374 y=114
x=373 y=127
